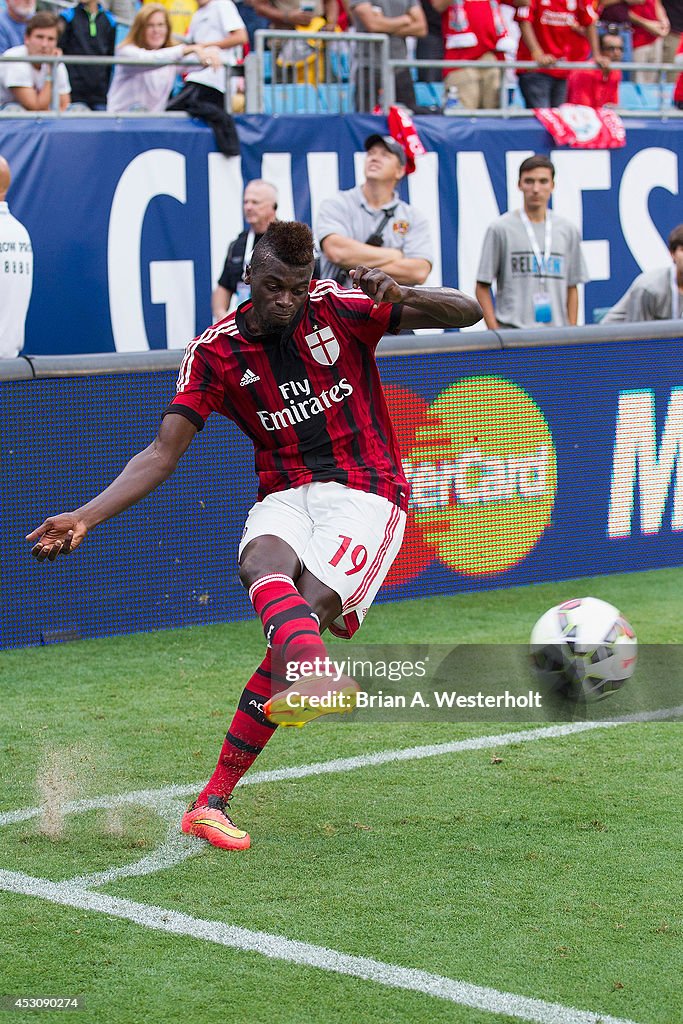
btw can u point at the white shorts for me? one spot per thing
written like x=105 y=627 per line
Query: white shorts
x=347 y=539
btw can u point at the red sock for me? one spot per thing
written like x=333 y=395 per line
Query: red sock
x=290 y=625
x=248 y=733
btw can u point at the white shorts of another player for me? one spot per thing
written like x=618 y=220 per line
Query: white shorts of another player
x=347 y=539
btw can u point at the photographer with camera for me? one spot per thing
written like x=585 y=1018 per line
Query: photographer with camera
x=372 y=226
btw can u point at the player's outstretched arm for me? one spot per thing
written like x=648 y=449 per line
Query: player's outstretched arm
x=61 y=534
x=422 y=307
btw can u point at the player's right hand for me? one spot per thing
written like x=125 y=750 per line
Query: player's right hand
x=377 y=285
x=58 y=535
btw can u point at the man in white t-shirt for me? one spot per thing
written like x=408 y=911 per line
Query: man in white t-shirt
x=16 y=273
x=217 y=23
x=30 y=85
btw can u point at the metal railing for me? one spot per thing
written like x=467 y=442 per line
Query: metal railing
x=340 y=66
x=72 y=59
x=272 y=88
x=327 y=79
x=507 y=110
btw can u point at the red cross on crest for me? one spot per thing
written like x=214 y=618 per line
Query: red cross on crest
x=324 y=346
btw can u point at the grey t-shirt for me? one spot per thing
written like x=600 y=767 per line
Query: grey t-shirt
x=390 y=9
x=648 y=298
x=348 y=214
x=508 y=259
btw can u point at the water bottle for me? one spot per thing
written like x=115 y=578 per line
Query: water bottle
x=452 y=103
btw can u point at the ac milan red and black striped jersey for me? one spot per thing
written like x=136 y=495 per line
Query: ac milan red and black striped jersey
x=310 y=397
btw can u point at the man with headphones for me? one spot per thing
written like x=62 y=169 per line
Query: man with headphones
x=260 y=206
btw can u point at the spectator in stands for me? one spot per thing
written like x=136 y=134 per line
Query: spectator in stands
x=292 y=14
x=674 y=12
x=397 y=19
x=13 y=22
x=260 y=208
x=678 y=88
x=614 y=16
x=650 y=26
x=16 y=273
x=547 y=35
x=88 y=30
x=215 y=23
x=598 y=87
x=372 y=226
x=30 y=85
x=472 y=30
x=124 y=10
x=149 y=38
x=655 y=294
x=430 y=47
x=252 y=21
x=533 y=256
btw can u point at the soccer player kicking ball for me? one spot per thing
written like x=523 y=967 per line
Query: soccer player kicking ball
x=294 y=367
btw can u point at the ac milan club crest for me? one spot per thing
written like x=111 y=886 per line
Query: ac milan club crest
x=324 y=346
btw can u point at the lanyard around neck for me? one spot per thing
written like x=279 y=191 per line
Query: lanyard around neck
x=248 y=249
x=675 y=294
x=542 y=262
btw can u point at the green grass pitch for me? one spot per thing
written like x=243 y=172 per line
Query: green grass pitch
x=550 y=870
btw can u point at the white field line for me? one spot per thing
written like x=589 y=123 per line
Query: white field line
x=175 y=848
x=155 y=798
x=277 y=948
x=78 y=893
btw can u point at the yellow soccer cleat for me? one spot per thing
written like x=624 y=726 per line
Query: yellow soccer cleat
x=310 y=698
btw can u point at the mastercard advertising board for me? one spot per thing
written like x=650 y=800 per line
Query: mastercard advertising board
x=511 y=456
x=481 y=464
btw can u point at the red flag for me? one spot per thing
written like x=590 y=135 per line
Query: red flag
x=404 y=131
x=583 y=127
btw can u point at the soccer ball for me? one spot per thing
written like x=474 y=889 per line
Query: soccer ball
x=583 y=649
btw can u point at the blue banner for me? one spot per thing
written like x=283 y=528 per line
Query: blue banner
x=525 y=465
x=130 y=219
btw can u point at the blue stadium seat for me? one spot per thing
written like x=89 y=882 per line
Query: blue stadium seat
x=336 y=99
x=515 y=98
x=437 y=92
x=267 y=66
x=340 y=65
x=630 y=96
x=423 y=94
x=654 y=96
x=649 y=96
x=292 y=99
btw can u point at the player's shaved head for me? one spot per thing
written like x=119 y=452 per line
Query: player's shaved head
x=5 y=178
x=290 y=242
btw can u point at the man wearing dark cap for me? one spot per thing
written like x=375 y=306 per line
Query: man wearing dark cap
x=372 y=226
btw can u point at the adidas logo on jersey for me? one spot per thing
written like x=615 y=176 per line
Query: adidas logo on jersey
x=249 y=377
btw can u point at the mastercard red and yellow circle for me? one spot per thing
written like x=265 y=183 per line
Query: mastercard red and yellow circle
x=483 y=473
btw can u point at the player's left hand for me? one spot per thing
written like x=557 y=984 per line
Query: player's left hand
x=377 y=285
